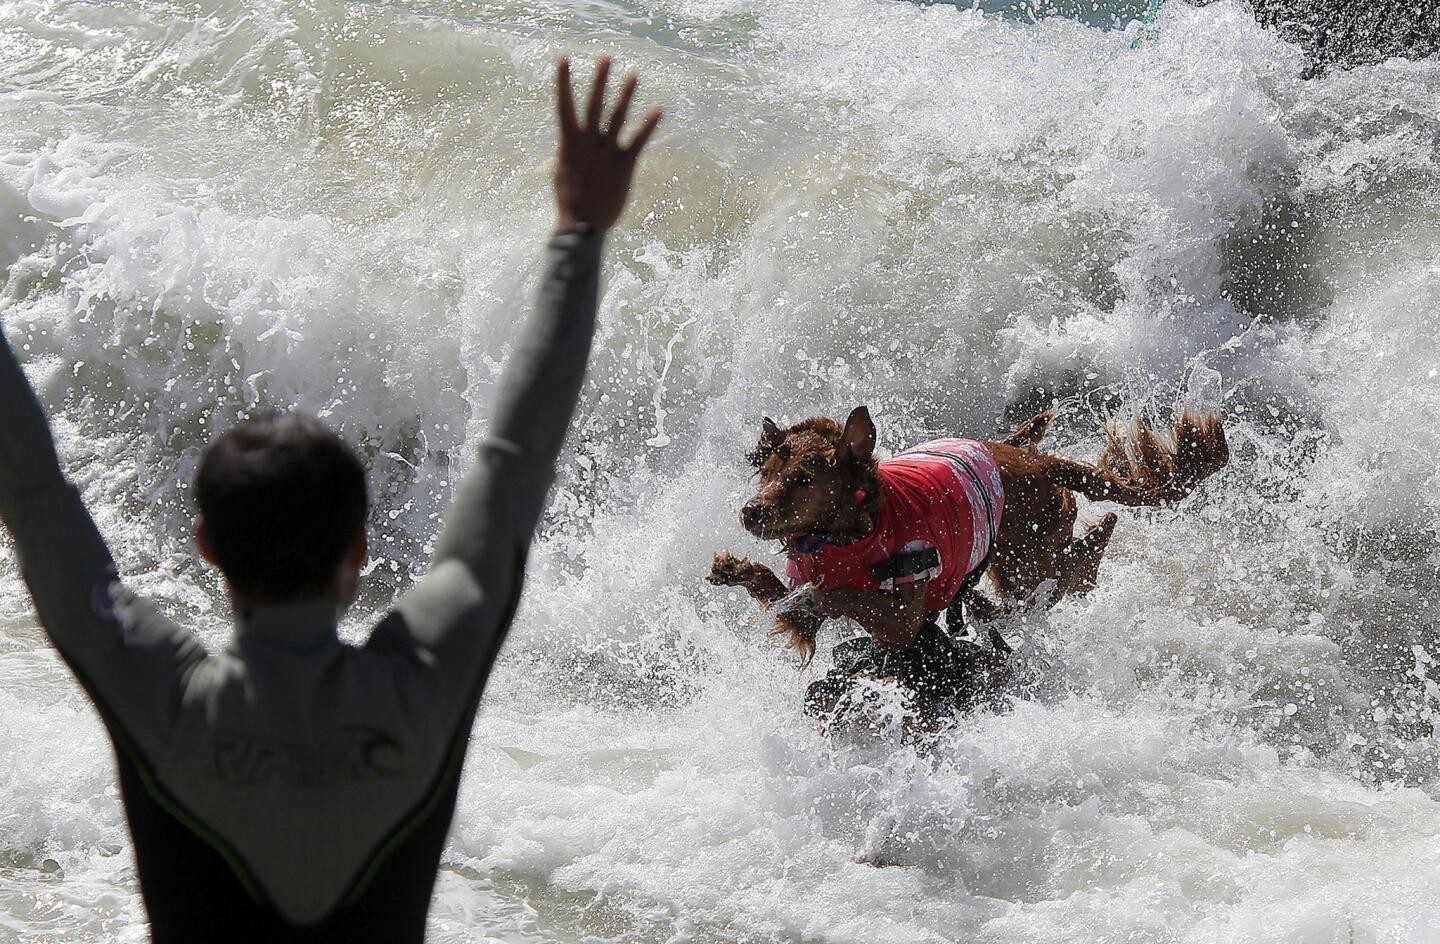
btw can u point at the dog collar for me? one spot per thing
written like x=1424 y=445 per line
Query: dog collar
x=815 y=543
x=812 y=543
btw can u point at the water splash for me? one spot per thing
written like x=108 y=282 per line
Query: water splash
x=955 y=217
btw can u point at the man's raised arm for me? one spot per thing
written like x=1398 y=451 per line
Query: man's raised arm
x=28 y=464
x=541 y=382
x=129 y=658
x=475 y=574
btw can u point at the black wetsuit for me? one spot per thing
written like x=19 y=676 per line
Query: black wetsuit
x=295 y=787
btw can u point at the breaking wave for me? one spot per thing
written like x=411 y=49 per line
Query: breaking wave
x=956 y=216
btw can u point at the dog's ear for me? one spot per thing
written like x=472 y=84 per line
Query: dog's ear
x=771 y=436
x=857 y=441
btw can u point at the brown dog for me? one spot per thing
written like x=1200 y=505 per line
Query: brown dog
x=809 y=473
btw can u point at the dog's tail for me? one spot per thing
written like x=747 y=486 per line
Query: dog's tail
x=1142 y=467
x=1030 y=432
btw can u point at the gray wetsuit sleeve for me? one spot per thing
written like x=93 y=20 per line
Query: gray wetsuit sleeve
x=130 y=658
x=453 y=622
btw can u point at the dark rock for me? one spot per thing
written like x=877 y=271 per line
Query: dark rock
x=1353 y=32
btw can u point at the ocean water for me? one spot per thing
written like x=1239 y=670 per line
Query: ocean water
x=956 y=216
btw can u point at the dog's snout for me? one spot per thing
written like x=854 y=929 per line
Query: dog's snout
x=753 y=515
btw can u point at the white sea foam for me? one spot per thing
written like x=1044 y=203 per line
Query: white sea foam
x=953 y=216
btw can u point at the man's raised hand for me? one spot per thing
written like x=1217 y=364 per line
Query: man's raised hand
x=593 y=170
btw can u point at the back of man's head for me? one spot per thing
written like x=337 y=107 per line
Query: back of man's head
x=282 y=499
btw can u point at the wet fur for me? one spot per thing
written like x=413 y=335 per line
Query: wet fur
x=819 y=476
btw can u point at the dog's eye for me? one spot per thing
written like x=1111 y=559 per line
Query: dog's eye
x=803 y=480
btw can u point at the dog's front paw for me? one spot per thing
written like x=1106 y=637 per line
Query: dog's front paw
x=727 y=570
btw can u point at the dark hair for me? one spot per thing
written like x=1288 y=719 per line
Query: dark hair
x=282 y=497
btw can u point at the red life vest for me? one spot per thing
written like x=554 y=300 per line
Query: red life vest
x=944 y=495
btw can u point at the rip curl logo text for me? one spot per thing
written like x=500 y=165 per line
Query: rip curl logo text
x=357 y=755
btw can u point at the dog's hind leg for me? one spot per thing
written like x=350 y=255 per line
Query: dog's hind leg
x=981 y=608
x=1030 y=432
x=1079 y=562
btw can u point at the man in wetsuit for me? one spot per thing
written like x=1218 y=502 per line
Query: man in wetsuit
x=294 y=787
